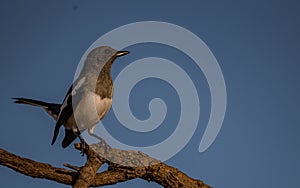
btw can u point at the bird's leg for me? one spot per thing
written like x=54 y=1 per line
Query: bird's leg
x=91 y=132
x=102 y=141
x=98 y=137
x=84 y=145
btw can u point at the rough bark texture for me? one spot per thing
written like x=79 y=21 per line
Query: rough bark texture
x=87 y=173
x=123 y=166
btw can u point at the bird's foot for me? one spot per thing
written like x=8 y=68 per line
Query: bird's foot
x=84 y=145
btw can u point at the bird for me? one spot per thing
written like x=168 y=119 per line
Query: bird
x=88 y=99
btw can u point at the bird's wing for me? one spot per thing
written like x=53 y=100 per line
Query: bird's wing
x=70 y=102
x=69 y=138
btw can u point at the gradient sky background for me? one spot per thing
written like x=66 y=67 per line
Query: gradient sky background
x=256 y=44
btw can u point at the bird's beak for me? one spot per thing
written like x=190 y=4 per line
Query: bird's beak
x=121 y=53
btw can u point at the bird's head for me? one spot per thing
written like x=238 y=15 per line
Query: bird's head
x=101 y=56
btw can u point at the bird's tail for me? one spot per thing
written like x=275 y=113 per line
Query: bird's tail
x=51 y=108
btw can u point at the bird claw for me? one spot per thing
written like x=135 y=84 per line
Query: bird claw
x=84 y=147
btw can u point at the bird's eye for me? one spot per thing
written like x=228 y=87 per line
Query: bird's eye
x=107 y=51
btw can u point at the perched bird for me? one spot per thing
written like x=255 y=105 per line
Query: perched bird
x=87 y=101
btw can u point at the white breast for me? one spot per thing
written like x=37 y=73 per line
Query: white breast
x=103 y=105
x=90 y=110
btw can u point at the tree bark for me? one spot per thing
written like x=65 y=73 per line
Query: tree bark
x=123 y=166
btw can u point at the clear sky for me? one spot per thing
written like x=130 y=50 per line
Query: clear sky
x=255 y=42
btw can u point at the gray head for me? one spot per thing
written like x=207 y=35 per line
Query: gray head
x=101 y=56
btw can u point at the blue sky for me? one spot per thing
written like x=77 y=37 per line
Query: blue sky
x=255 y=42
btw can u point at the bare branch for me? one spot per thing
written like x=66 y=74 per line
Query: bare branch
x=76 y=168
x=123 y=166
x=36 y=169
x=88 y=172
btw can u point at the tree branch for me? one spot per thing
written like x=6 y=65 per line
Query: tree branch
x=36 y=169
x=123 y=166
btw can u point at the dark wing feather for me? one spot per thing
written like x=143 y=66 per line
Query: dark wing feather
x=70 y=102
x=69 y=138
x=65 y=113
